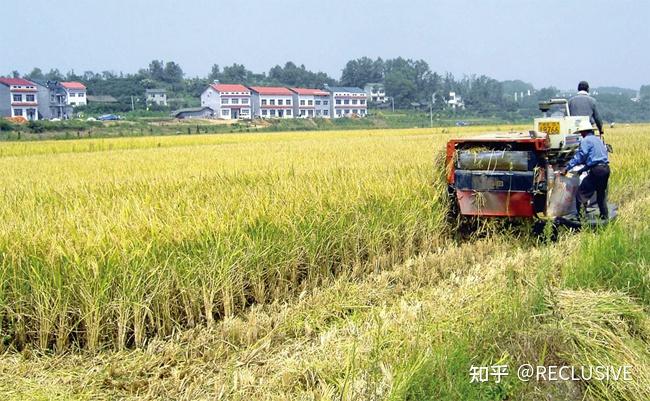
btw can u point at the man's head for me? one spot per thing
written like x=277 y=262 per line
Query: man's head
x=585 y=128
x=583 y=86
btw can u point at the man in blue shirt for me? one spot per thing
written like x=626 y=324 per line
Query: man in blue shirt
x=593 y=155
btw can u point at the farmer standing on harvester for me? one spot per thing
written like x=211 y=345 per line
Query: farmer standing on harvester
x=584 y=105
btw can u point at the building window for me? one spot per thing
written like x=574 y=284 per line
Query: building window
x=354 y=101
x=326 y=112
x=346 y=101
x=317 y=102
x=263 y=102
x=272 y=102
x=29 y=98
x=355 y=111
x=264 y=113
x=71 y=94
x=326 y=102
x=318 y=113
x=302 y=102
x=310 y=102
x=338 y=101
x=272 y=112
x=225 y=113
x=347 y=111
x=225 y=101
x=234 y=101
x=280 y=102
x=302 y=112
x=338 y=112
x=18 y=112
x=288 y=102
x=362 y=101
x=244 y=112
x=18 y=98
x=244 y=101
x=288 y=112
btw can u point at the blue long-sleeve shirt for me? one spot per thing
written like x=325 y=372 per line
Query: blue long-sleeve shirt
x=592 y=151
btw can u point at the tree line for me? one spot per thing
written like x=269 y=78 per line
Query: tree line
x=410 y=84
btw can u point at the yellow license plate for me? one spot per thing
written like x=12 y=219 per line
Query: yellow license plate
x=551 y=127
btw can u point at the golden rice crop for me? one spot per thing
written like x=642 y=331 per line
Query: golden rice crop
x=108 y=242
x=116 y=245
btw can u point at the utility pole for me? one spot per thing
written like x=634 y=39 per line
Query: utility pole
x=132 y=104
x=392 y=102
x=433 y=96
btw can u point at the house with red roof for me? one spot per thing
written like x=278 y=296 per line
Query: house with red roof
x=229 y=101
x=18 y=98
x=75 y=93
x=272 y=102
x=310 y=103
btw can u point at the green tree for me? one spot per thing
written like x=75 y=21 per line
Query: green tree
x=35 y=74
x=173 y=73
x=54 y=75
x=362 y=71
x=157 y=70
x=293 y=75
x=215 y=73
x=401 y=88
x=71 y=76
x=236 y=74
x=644 y=92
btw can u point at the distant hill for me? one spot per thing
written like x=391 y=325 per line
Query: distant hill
x=615 y=90
x=512 y=86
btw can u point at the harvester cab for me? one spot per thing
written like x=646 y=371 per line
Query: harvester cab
x=561 y=128
x=514 y=174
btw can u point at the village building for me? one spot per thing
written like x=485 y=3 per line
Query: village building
x=310 y=103
x=375 y=92
x=347 y=101
x=229 y=101
x=455 y=101
x=18 y=98
x=156 y=96
x=52 y=100
x=272 y=102
x=193 y=112
x=75 y=92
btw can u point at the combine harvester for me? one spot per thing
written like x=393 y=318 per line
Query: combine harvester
x=514 y=174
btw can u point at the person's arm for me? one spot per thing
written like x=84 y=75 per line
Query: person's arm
x=581 y=155
x=597 y=119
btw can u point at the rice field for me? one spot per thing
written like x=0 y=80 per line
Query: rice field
x=332 y=246
x=109 y=242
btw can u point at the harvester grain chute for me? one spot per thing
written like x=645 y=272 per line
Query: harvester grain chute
x=514 y=174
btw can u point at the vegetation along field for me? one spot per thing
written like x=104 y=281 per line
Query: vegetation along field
x=302 y=265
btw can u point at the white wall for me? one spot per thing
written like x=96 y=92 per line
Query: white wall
x=74 y=99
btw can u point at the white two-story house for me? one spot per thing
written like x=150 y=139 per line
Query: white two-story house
x=75 y=92
x=18 y=98
x=375 y=92
x=310 y=103
x=272 y=102
x=228 y=101
x=347 y=101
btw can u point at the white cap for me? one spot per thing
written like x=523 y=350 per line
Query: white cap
x=584 y=125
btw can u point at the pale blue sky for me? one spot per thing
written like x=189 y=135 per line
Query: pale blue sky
x=555 y=42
